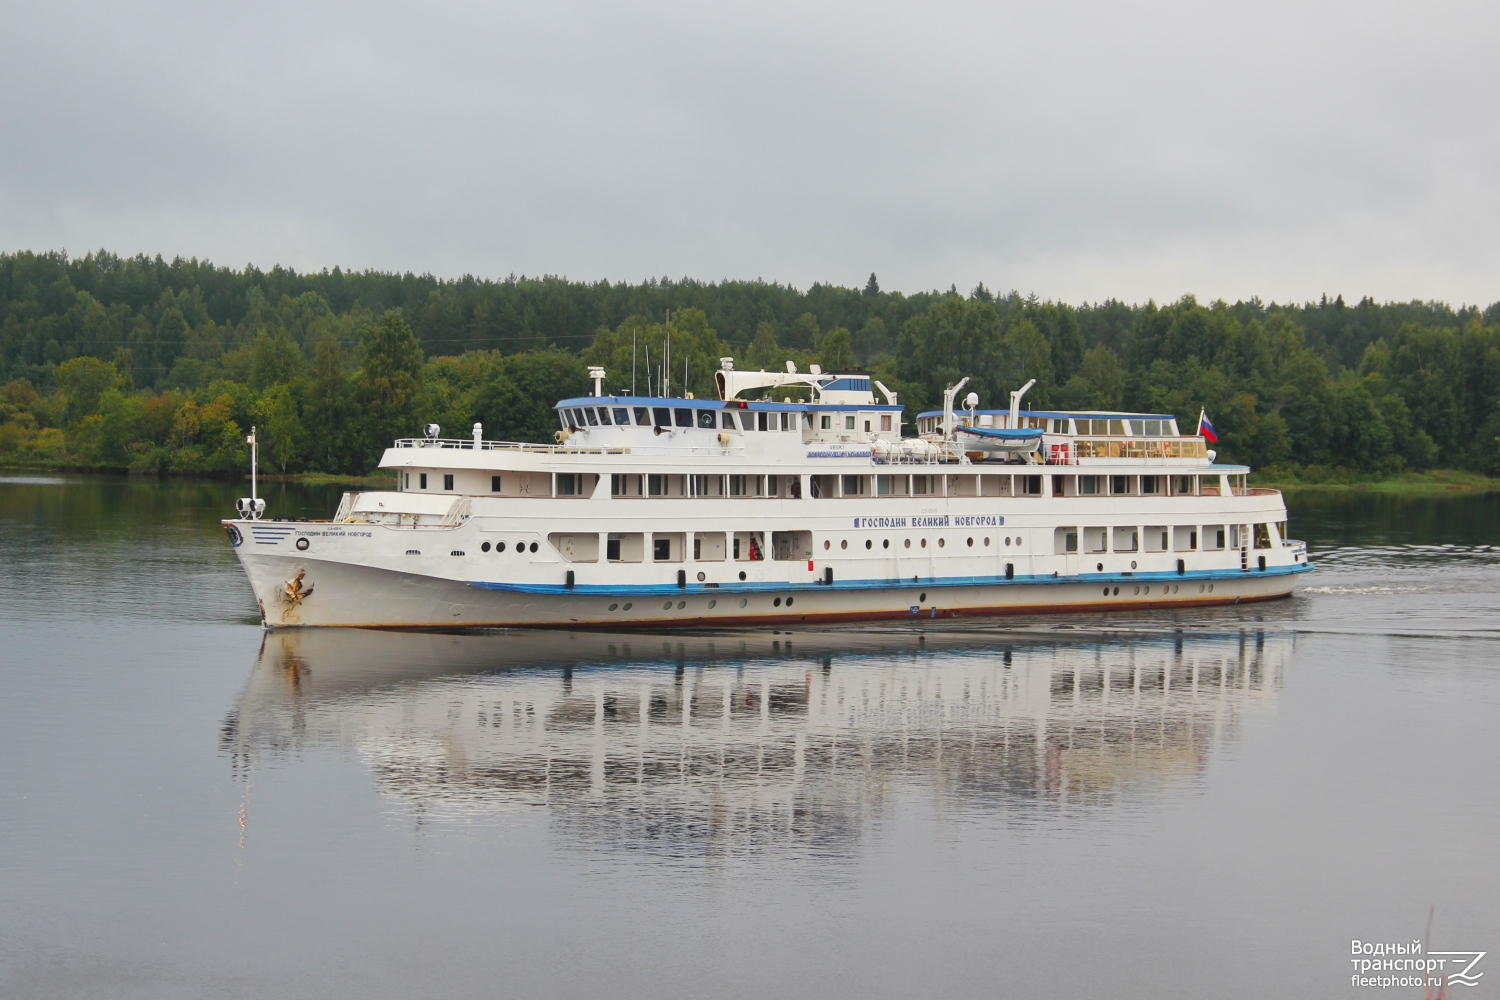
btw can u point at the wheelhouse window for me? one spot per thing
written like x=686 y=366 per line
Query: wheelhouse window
x=604 y=415
x=708 y=419
x=622 y=415
x=1262 y=536
x=662 y=416
x=684 y=416
x=642 y=416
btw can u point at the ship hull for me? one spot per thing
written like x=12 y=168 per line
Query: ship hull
x=295 y=592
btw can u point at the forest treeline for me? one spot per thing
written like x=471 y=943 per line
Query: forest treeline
x=161 y=366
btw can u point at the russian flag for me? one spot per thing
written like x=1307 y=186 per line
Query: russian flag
x=1206 y=427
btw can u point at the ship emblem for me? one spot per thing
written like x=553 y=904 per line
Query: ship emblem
x=293 y=588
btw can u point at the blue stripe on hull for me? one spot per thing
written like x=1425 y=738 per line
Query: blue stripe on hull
x=900 y=583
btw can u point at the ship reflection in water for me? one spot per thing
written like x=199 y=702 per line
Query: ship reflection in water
x=697 y=745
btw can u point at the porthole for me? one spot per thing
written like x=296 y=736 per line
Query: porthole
x=827 y=545
x=667 y=606
x=776 y=603
x=713 y=604
x=702 y=577
x=742 y=574
x=613 y=607
x=627 y=606
x=868 y=543
x=885 y=543
x=1106 y=591
x=1018 y=541
x=1200 y=588
x=499 y=546
x=1146 y=590
x=942 y=543
x=744 y=601
x=1117 y=591
x=1099 y=567
x=908 y=543
x=1007 y=541
x=922 y=597
x=788 y=602
x=1210 y=588
x=681 y=605
x=1138 y=592
x=520 y=548
x=924 y=543
x=485 y=547
x=302 y=544
x=971 y=543
x=1132 y=564
x=533 y=546
x=844 y=544
x=986 y=542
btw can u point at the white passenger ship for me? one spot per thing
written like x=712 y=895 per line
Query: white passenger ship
x=676 y=511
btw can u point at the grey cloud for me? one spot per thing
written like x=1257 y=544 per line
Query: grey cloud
x=1077 y=150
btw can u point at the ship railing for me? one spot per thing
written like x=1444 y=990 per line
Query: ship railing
x=468 y=444
x=346 y=505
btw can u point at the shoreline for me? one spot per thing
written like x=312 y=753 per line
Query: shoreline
x=1434 y=481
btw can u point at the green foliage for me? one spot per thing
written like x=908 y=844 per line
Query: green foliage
x=159 y=365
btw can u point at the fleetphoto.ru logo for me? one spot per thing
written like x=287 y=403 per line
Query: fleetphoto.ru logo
x=1386 y=965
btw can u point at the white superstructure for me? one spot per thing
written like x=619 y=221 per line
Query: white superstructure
x=660 y=511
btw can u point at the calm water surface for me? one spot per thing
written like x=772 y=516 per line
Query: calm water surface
x=1204 y=803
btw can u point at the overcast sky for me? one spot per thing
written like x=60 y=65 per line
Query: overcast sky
x=1076 y=150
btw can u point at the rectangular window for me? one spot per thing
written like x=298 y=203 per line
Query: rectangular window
x=1119 y=485
x=1088 y=486
x=788 y=421
x=655 y=485
x=749 y=546
x=1156 y=538
x=642 y=416
x=1185 y=486
x=406 y=480
x=825 y=422
x=627 y=547
x=1153 y=428
x=448 y=483
x=849 y=423
x=622 y=415
x=1065 y=541
x=728 y=420
x=1096 y=539
x=867 y=427
x=567 y=484
x=708 y=546
x=494 y=484
x=791 y=545
x=1117 y=428
x=920 y=484
x=1126 y=540
x=1262 y=536
x=854 y=486
x=684 y=416
x=604 y=415
x=662 y=416
x=668 y=548
x=708 y=420
x=1213 y=537
x=1150 y=485
x=885 y=421
x=1031 y=486
x=421 y=480
x=1184 y=538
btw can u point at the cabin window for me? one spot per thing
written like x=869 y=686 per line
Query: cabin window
x=622 y=415
x=668 y=548
x=421 y=480
x=825 y=422
x=655 y=485
x=1119 y=485
x=885 y=421
x=662 y=416
x=494 y=484
x=1088 y=486
x=1213 y=537
x=1065 y=541
x=708 y=546
x=1185 y=486
x=1262 y=536
x=867 y=427
x=707 y=419
x=1150 y=485
x=568 y=484
x=854 y=486
x=625 y=547
x=791 y=545
x=643 y=416
x=604 y=415
x=1153 y=428
x=1184 y=538
x=1126 y=540
x=448 y=483
x=406 y=480
x=706 y=486
x=1031 y=486
x=849 y=423
x=921 y=485
x=1117 y=428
